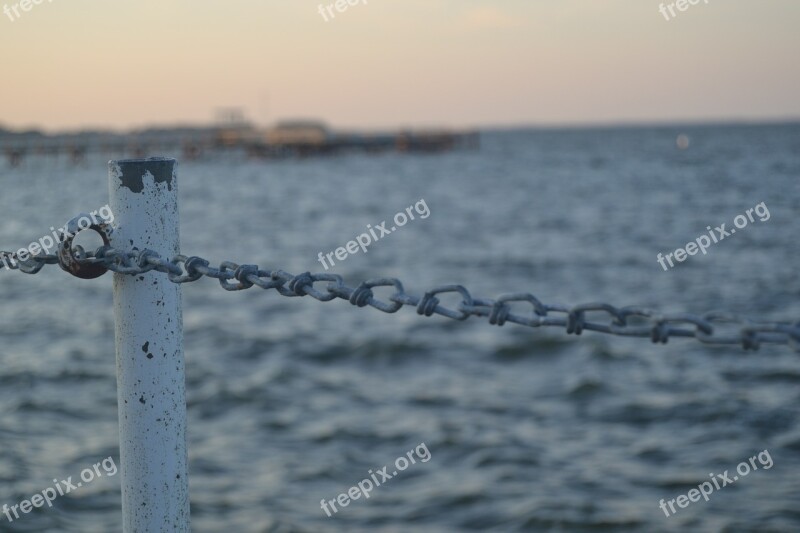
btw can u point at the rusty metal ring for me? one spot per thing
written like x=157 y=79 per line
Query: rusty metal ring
x=66 y=256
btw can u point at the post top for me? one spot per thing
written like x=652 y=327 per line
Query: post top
x=141 y=160
x=130 y=172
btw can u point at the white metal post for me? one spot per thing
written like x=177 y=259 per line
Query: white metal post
x=151 y=383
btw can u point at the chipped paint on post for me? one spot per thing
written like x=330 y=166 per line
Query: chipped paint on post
x=162 y=170
x=151 y=379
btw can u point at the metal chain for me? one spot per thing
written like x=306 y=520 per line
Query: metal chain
x=626 y=321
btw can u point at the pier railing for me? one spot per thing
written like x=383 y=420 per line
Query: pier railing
x=141 y=248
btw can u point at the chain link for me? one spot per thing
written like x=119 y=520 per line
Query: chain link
x=626 y=321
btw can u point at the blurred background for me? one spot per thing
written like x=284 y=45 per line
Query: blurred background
x=560 y=146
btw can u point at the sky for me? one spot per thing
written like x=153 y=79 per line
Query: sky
x=69 y=64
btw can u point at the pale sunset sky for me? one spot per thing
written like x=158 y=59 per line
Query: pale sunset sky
x=68 y=64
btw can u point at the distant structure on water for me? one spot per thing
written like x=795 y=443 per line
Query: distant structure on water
x=231 y=133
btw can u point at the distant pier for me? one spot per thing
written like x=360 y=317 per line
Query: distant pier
x=286 y=140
